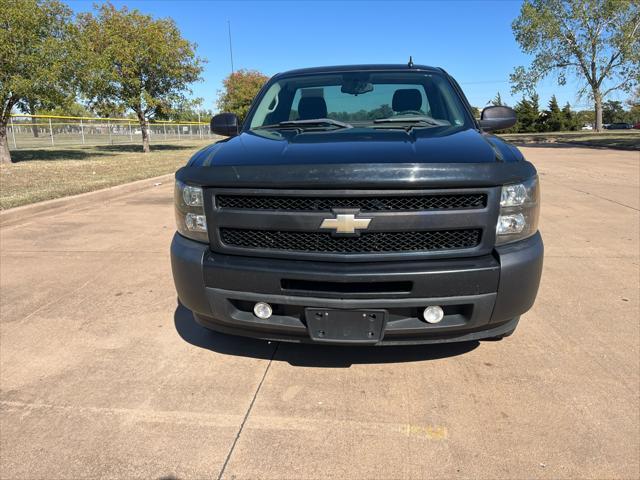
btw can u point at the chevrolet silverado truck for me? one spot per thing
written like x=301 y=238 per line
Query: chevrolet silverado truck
x=359 y=205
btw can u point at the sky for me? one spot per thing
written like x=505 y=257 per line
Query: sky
x=470 y=39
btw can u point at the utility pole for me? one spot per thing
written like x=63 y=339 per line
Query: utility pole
x=230 y=48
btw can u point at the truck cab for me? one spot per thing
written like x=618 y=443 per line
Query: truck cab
x=359 y=205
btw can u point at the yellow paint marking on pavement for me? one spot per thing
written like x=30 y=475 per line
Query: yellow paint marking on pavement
x=364 y=428
x=432 y=432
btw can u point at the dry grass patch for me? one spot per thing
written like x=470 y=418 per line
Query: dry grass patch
x=619 y=139
x=45 y=174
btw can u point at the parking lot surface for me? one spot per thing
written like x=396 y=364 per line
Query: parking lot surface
x=103 y=375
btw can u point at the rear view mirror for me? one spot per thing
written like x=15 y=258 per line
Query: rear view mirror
x=356 y=84
x=497 y=118
x=226 y=124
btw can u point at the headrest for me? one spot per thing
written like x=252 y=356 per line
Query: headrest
x=312 y=107
x=407 y=99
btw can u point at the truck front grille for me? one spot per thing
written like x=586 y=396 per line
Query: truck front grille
x=404 y=224
x=378 y=203
x=366 y=242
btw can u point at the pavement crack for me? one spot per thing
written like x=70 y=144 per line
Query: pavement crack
x=248 y=412
x=57 y=300
x=605 y=198
x=595 y=195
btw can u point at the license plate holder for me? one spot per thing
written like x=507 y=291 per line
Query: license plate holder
x=345 y=326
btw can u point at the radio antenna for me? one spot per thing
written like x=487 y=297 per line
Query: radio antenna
x=410 y=64
x=230 y=48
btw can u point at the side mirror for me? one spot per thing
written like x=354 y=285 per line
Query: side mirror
x=225 y=124
x=497 y=118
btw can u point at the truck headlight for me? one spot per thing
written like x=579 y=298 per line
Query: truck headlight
x=519 y=211
x=190 y=217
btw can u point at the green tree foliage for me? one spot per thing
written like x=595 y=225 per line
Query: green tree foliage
x=35 y=65
x=132 y=61
x=613 y=111
x=189 y=110
x=585 y=117
x=70 y=109
x=596 y=40
x=570 y=119
x=634 y=106
x=528 y=114
x=553 y=118
x=239 y=90
x=497 y=101
x=31 y=107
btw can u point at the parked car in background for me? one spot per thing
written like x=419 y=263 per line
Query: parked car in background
x=587 y=126
x=637 y=126
x=619 y=126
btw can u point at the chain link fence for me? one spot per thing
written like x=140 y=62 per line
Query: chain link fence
x=40 y=131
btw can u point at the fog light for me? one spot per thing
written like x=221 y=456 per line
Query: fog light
x=195 y=223
x=433 y=314
x=262 y=310
x=510 y=224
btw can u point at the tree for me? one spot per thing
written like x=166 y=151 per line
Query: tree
x=239 y=90
x=188 y=111
x=585 y=117
x=131 y=61
x=634 y=106
x=596 y=40
x=69 y=109
x=612 y=111
x=64 y=107
x=553 y=118
x=570 y=120
x=35 y=64
x=30 y=107
x=497 y=101
x=528 y=114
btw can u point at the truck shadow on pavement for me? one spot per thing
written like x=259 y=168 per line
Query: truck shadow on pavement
x=309 y=355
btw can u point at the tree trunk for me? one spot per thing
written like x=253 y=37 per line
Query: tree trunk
x=598 y=104
x=34 y=126
x=5 y=154
x=144 y=128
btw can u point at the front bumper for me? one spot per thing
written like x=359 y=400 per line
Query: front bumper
x=482 y=297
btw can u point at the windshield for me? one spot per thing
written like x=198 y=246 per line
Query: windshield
x=388 y=99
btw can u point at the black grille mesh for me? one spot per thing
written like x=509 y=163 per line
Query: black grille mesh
x=371 y=242
x=365 y=204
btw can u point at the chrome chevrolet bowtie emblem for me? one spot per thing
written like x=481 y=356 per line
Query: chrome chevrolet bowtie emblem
x=345 y=223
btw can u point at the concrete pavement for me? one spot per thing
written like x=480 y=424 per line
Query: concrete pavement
x=103 y=375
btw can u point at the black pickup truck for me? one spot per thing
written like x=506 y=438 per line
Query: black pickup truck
x=359 y=205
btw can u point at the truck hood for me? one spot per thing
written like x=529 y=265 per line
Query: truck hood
x=356 y=145
x=358 y=158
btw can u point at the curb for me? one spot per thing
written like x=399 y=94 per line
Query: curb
x=623 y=148
x=18 y=214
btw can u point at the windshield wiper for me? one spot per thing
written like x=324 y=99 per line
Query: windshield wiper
x=411 y=121
x=314 y=122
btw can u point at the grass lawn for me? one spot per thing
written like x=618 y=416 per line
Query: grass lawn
x=44 y=174
x=622 y=139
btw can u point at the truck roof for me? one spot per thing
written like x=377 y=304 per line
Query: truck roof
x=358 y=68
